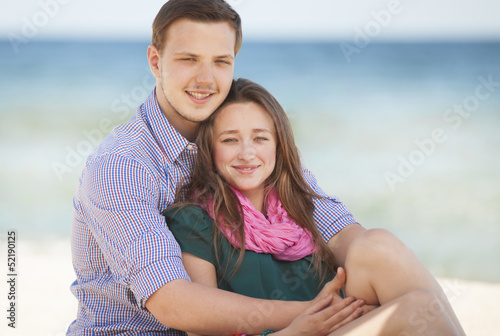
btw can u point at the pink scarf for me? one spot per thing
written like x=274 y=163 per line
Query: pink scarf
x=278 y=235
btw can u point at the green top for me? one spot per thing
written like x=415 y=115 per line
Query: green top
x=260 y=275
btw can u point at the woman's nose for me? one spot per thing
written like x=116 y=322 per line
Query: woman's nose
x=247 y=152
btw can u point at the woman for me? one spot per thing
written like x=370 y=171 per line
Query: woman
x=246 y=224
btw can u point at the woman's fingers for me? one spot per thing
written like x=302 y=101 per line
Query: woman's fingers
x=333 y=286
x=344 y=312
x=319 y=305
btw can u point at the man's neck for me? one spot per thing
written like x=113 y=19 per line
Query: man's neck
x=186 y=128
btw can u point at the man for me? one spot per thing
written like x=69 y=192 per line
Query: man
x=129 y=271
x=130 y=277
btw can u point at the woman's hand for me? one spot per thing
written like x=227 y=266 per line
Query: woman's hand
x=333 y=287
x=323 y=317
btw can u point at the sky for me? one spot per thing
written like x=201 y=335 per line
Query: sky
x=262 y=19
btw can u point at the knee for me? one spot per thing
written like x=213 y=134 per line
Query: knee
x=374 y=241
x=376 y=237
x=375 y=246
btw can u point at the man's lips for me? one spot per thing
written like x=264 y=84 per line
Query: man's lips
x=200 y=97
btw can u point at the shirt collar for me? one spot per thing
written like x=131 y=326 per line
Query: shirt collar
x=171 y=142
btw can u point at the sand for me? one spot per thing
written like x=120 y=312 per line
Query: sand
x=45 y=306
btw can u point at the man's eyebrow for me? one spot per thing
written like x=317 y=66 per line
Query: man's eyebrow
x=185 y=53
x=226 y=56
x=190 y=54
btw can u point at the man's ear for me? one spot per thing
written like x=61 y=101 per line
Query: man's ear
x=154 y=60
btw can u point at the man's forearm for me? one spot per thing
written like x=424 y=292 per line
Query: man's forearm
x=188 y=306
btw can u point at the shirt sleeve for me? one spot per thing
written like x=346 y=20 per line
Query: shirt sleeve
x=330 y=214
x=193 y=229
x=119 y=201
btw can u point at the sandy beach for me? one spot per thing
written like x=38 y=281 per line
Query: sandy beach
x=45 y=306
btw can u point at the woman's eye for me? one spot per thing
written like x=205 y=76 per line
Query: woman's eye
x=229 y=140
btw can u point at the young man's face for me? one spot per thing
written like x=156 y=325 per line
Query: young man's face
x=194 y=72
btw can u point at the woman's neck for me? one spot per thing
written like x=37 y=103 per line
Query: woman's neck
x=256 y=197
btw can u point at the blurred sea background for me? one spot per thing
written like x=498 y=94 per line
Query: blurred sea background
x=405 y=134
x=398 y=116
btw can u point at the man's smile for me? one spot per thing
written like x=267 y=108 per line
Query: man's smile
x=198 y=95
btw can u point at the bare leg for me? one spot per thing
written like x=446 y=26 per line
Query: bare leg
x=416 y=313
x=380 y=269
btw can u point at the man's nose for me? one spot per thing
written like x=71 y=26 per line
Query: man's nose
x=205 y=74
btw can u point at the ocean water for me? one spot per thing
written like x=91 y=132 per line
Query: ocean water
x=405 y=134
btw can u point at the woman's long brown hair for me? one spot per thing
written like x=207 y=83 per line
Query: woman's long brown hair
x=287 y=178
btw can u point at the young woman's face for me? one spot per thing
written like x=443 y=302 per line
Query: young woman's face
x=244 y=148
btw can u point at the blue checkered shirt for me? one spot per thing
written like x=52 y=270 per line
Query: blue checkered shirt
x=122 y=249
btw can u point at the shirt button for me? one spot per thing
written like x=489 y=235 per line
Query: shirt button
x=190 y=147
